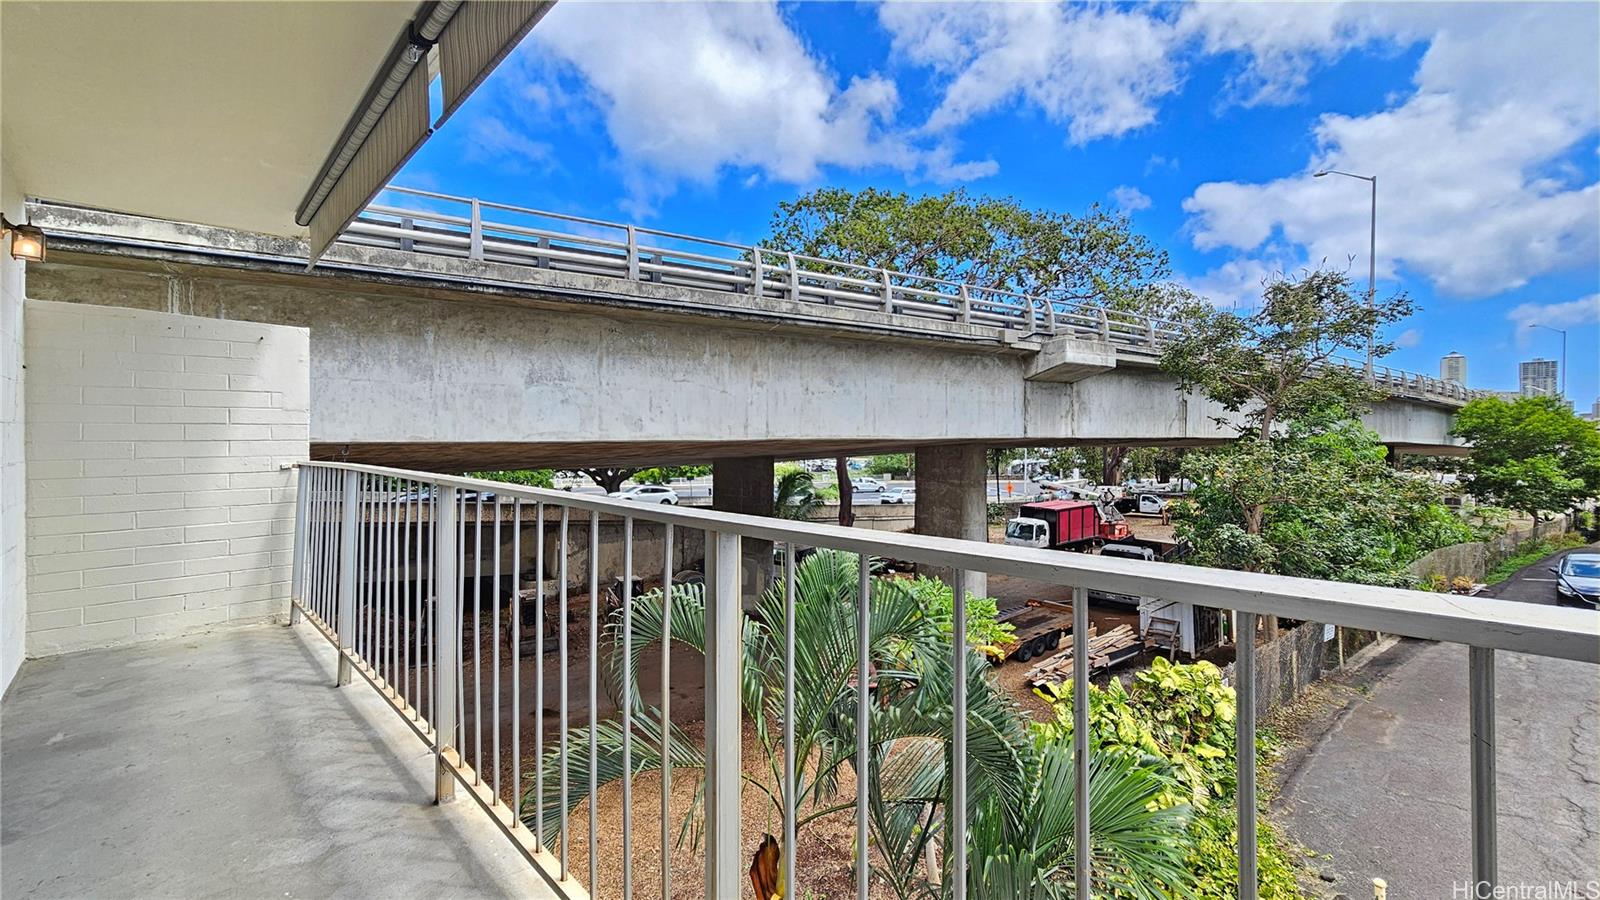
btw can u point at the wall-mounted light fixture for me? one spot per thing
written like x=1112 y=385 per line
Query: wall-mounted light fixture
x=27 y=241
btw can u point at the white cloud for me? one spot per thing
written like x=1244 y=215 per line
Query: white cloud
x=1129 y=198
x=1411 y=337
x=490 y=139
x=1238 y=283
x=1283 y=43
x=691 y=90
x=1472 y=191
x=1099 y=71
x=1572 y=313
x=1477 y=188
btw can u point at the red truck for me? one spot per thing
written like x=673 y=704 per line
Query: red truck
x=1066 y=525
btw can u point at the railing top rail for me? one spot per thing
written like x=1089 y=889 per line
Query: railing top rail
x=1429 y=386
x=1476 y=621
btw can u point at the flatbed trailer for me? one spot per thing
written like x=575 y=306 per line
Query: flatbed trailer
x=1040 y=625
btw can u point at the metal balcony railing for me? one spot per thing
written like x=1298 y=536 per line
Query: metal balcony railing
x=467 y=228
x=392 y=566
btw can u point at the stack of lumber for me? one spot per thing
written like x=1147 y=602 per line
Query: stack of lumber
x=1058 y=668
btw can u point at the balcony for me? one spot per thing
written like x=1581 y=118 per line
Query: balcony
x=193 y=766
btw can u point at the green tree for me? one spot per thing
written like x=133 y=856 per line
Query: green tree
x=1093 y=258
x=544 y=478
x=1279 y=363
x=1533 y=454
x=1328 y=505
x=892 y=464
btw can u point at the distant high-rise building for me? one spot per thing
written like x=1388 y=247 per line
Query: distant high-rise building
x=1538 y=378
x=1593 y=415
x=1453 y=368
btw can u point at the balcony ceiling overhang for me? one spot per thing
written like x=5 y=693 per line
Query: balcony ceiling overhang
x=214 y=113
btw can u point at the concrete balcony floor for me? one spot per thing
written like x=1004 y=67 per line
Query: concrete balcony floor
x=228 y=765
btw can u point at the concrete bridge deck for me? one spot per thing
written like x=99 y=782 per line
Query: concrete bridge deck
x=456 y=363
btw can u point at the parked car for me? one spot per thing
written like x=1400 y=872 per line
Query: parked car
x=648 y=493
x=896 y=495
x=1578 y=578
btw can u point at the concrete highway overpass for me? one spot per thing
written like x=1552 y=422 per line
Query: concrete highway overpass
x=448 y=362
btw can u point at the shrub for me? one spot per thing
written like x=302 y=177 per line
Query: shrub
x=1438 y=583
x=984 y=630
x=1184 y=715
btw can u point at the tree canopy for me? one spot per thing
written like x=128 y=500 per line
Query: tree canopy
x=1093 y=258
x=1273 y=364
x=1316 y=500
x=1533 y=454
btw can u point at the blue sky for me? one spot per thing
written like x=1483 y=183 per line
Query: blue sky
x=1203 y=122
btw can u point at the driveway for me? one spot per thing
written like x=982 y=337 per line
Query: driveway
x=1384 y=792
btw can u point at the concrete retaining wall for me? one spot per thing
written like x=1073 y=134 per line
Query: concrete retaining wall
x=1475 y=560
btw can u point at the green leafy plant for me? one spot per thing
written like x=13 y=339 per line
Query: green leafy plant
x=1183 y=715
x=985 y=632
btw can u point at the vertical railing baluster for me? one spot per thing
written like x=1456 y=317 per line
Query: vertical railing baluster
x=494 y=668
x=1080 y=739
x=966 y=305
x=403 y=673
x=358 y=632
x=538 y=684
x=433 y=605
x=788 y=721
x=418 y=603
x=446 y=645
x=516 y=661
x=794 y=279
x=666 y=708
x=956 y=851
x=312 y=571
x=461 y=628
x=346 y=624
x=297 y=578
x=594 y=695
x=1480 y=699
x=1244 y=688
x=863 y=708
x=627 y=707
x=633 y=253
x=475 y=235
x=398 y=593
x=477 y=641
x=561 y=683
x=757 y=273
x=724 y=618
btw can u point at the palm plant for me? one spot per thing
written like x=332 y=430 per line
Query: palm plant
x=796 y=496
x=910 y=722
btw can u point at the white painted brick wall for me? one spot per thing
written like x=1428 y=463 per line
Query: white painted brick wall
x=156 y=501
x=13 y=480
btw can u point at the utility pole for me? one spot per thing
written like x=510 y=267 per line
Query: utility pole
x=1372 y=256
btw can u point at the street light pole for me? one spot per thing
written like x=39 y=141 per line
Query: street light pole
x=1372 y=254
x=1563 y=333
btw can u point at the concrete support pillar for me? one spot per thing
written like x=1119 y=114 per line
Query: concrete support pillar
x=743 y=484
x=951 y=502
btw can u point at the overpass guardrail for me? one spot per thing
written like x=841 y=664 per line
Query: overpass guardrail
x=432 y=223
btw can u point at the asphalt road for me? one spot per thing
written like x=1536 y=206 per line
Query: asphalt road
x=1384 y=792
